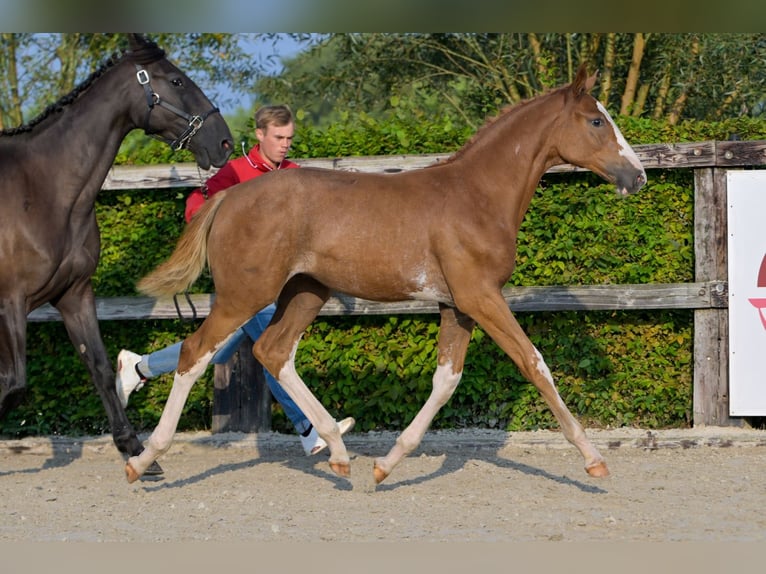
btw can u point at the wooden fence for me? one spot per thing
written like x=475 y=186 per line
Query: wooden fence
x=241 y=399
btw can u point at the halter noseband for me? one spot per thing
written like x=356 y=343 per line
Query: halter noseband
x=153 y=99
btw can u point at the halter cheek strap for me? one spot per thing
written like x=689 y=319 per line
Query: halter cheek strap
x=153 y=99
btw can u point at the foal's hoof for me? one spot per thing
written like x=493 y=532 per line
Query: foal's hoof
x=598 y=470
x=341 y=469
x=131 y=473
x=378 y=473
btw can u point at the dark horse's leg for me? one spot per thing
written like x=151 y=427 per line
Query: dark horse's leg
x=78 y=310
x=13 y=371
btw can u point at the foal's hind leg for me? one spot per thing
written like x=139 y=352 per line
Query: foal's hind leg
x=493 y=314
x=196 y=353
x=299 y=303
x=454 y=336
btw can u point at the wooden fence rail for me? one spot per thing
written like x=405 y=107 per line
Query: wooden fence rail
x=240 y=383
x=704 y=295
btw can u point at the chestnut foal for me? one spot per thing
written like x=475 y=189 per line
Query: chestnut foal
x=446 y=233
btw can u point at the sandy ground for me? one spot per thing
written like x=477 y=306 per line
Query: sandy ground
x=695 y=485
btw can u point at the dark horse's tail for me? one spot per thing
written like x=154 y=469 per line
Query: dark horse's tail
x=189 y=258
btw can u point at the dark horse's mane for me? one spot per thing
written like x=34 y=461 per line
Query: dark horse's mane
x=507 y=110
x=146 y=54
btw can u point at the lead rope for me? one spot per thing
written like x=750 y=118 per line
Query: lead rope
x=191 y=304
x=186 y=295
x=194 y=124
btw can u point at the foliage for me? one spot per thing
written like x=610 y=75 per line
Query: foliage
x=37 y=69
x=463 y=76
x=612 y=368
x=466 y=76
x=578 y=232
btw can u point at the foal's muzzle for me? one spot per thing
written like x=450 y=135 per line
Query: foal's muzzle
x=630 y=180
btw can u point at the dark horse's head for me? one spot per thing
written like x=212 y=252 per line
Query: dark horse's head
x=588 y=137
x=174 y=109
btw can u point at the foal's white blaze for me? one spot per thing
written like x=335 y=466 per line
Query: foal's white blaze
x=625 y=150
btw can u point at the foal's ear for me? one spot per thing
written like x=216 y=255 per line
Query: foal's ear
x=583 y=83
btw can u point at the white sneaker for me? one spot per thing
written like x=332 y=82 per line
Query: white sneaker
x=127 y=379
x=313 y=443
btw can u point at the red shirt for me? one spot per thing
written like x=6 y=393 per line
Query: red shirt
x=234 y=172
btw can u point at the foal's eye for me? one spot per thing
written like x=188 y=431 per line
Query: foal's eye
x=597 y=123
x=177 y=82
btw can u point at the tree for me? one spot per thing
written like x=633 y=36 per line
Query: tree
x=37 y=69
x=10 y=97
x=464 y=77
x=471 y=75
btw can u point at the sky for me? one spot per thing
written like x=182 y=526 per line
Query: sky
x=283 y=47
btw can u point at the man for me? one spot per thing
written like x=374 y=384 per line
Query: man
x=274 y=130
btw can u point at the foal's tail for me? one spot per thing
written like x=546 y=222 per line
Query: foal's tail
x=189 y=258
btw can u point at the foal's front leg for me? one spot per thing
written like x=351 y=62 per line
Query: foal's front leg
x=454 y=336
x=496 y=318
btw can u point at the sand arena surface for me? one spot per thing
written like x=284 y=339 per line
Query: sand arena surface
x=471 y=485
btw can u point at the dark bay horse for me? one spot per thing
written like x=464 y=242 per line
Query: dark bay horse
x=51 y=171
x=446 y=233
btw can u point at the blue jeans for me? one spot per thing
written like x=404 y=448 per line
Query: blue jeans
x=166 y=361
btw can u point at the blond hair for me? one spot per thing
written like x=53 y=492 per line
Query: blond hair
x=278 y=116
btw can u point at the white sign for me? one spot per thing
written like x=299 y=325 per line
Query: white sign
x=747 y=292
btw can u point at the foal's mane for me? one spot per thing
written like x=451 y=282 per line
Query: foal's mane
x=508 y=110
x=148 y=52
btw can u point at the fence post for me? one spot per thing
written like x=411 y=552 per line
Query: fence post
x=241 y=397
x=711 y=326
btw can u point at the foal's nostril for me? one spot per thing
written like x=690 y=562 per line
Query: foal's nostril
x=640 y=180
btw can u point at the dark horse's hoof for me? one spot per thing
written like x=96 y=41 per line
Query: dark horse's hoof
x=154 y=470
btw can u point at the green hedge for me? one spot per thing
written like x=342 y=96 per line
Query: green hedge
x=612 y=368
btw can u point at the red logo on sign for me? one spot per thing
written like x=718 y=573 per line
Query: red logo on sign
x=760 y=304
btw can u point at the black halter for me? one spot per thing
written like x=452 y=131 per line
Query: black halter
x=153 y=99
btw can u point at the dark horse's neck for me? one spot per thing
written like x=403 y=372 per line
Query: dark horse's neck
x=82 y=130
